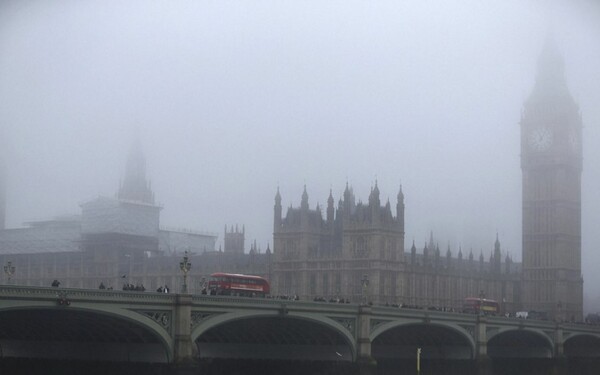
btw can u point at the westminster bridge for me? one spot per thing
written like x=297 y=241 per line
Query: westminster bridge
x=179 y=329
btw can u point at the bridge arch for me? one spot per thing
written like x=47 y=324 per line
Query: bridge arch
x=519 y=343
x=45 y=330
x=582 y=345
x=273 y=335
x=400 y=339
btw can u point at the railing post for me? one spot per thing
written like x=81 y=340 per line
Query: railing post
x=365 y=361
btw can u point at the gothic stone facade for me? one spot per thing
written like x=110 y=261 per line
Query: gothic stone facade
x=332 y=258
x=316 y=257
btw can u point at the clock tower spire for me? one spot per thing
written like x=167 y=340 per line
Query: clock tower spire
x=551 y=166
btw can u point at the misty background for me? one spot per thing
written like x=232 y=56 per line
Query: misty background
x=232 y=100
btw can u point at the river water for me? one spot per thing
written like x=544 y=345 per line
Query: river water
x=276 y=367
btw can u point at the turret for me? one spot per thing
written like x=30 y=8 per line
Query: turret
x=2 y=185
x=481 y=261
x=400 y=209
x=508 y=263
x=374 y=201
x=304 y=201
x=277 y=212
x=330 y=208
x=233 y=240
x=497 y=264
x=348 y=201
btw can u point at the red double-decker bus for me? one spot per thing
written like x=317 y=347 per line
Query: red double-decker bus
x=476 y=305
x=233 y=284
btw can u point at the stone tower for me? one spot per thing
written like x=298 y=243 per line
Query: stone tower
x=233 y=240
x=317 y=257
x=551 y=164
x=135 y=186
x=2 y=186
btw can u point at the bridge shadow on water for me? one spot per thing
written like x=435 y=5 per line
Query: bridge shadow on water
x=18 y=366
x=512 y=366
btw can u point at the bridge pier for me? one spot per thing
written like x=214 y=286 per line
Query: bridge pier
x=483 y=362
x=183 y=347
x=366 y=363
x=558 y=341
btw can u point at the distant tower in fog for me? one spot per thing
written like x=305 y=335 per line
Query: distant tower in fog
x=551 y=165
x=234 y=240
x=2 y=184
x=135 y=186
x=2 y=194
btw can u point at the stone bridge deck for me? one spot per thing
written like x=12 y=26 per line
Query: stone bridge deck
x=174 y=328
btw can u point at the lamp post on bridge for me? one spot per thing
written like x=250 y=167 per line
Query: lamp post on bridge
x=481 y=298
x=9 y=270
x=185 y=265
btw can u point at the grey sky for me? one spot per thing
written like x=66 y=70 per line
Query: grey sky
x=235 y=98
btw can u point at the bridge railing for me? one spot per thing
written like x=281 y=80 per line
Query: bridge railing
x=199 y=299
x=16 y=291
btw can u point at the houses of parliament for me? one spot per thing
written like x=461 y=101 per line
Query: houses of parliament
x=351 y=249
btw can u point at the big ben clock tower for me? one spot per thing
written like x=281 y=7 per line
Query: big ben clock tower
x=551 y=165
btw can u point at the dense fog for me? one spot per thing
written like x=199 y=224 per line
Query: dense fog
x=232 y=100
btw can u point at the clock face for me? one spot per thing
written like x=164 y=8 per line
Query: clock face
x=540 y=139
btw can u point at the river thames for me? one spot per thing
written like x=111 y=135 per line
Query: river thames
x=14 y=366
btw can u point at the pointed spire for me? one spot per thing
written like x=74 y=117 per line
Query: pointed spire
x=2 y=181
x=304 y=202
x=400 y=194
x=374 y=196
x=135 y=187
x=376 y=189
x=330 y=208
x=277 y=212
x=550 y=82
x=431 y=243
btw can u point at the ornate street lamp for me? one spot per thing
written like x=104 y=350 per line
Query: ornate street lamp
x=185 y=265
x=559 y=317
x=481 y=298
x=365 y=284
x=9 y=270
